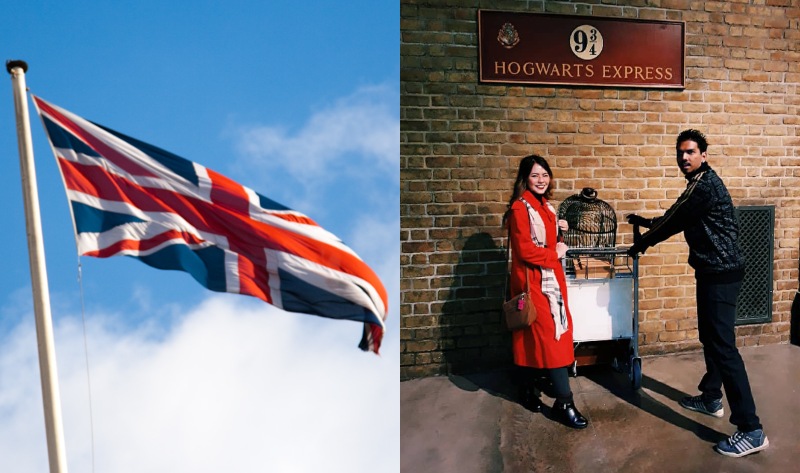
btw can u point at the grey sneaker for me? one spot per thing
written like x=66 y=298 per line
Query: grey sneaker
x=696 y=403
x=743 y=443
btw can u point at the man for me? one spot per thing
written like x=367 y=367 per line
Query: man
x=705 y=215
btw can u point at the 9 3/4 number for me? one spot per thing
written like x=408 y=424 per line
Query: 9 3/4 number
x=586 y=42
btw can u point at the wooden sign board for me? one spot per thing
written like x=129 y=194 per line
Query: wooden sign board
x=534 y=48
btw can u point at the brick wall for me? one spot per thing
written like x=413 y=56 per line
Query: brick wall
x=461 y=142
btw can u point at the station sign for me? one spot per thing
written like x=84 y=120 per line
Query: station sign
x=536 y=48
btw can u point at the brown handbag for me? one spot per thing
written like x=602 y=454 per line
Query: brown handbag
x=518 y=312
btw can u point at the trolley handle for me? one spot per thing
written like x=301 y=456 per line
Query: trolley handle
x=596 y=251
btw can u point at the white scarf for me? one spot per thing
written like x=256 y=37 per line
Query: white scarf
x=550 y=286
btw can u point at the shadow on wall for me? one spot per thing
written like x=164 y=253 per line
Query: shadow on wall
x=472 y=336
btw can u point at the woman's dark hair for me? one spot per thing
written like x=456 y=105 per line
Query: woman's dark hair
x=521 y=183
x=693 y=135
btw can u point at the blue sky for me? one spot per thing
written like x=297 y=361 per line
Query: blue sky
x=297 y=100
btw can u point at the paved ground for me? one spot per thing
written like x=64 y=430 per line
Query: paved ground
x=474 y=424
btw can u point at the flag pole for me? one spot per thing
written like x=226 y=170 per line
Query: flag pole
x=41 y=294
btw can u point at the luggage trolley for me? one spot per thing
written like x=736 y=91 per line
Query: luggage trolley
x=602 y=287
x=603 y=292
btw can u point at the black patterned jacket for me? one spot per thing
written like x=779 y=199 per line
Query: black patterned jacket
x=705 y=215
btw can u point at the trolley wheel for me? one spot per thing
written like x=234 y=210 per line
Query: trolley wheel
x=636 y=373
x=573 y=369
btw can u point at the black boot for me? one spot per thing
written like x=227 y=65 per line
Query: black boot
x=529 y=399
x=568 y=414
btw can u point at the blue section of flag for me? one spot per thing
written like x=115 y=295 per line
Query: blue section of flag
x=299 y=296
x=270 y=204
x=91 y=219
x=205 y=265
x=64 y=140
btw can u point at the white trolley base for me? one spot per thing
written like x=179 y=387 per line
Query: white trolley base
x=602 y=290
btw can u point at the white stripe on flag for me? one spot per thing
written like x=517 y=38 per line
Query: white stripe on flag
x=274 y=279
x=204 y=182
x=232 y=281
x=136 y=231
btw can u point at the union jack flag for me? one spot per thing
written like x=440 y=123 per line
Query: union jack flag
x=134 y=199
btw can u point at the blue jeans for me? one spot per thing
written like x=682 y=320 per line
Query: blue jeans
x=716 y=313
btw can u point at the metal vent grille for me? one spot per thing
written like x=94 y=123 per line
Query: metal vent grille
x=756 y=237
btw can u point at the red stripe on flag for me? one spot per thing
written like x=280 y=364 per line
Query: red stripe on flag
x=228 y=193
x=289 y=217
x=377 y=337
x=253 y=280
x=144 y=245
x=89 y=139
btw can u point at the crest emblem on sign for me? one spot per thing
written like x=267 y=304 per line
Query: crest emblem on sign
x=508 y=36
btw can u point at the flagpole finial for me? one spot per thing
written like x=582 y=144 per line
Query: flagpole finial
x=12 y=63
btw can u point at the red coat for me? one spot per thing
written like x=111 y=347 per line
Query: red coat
x=536 y=346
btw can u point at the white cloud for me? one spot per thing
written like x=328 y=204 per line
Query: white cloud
x=237 y=386
x=355 y=140
x=364 y=123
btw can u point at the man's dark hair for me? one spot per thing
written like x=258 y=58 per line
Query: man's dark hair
x=693 y=135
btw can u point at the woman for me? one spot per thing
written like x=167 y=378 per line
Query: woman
x=533 y=237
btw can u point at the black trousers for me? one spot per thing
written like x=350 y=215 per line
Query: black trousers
x=716 y=313
x=553 y=381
